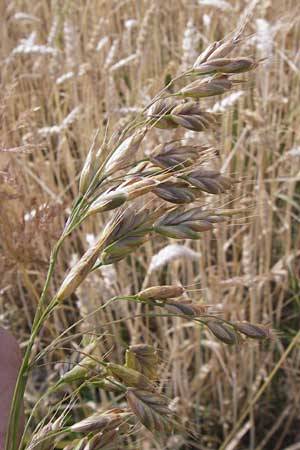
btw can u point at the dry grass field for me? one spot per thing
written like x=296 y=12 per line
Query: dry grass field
x=69 y=68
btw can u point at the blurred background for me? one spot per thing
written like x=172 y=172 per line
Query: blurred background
x=70 y=67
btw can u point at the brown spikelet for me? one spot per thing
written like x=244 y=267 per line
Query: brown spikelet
x=151 y=409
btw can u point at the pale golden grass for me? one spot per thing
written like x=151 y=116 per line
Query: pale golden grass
x=52 y=102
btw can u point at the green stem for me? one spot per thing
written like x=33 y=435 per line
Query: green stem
x=40 y=315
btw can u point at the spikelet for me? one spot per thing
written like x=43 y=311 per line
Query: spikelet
x=124 y=154
x=216 y=85
x=89 y=167
x=175 y=192
x=151 y=409
x=209 y=181
x=159 y=114
x=81 y=370
x=103 y=440
x=144 y=359
x=79 y=272
x=175 y=156
x=160 y=293
x=181 y=224
x=129 y=376
x=46 y=437
x=99 y=422
x=250 y=330
x=225 y=65
x=190 y=115
x=222 y=332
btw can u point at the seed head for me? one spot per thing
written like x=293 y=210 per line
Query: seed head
x=209 y=181
x=125 y=153
x=160 y=293
x=89 y=168
x=181 y=224
x=81 y=370
x=138 y=186
x=174 y=156
x=151 y=409
x=218 y=49
x=206 y=88
x=107 y=202
x=222 y=332
x=159 y=114
x=225 y=65
x=190 y=116
x=81 y=269
x=99 y=422
x=143 y=358
x=46 y=437
x=102 y=439
x=129 y=377
x=125 y=233
x=250 y=330
x=177 y=307
x=177 y=192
